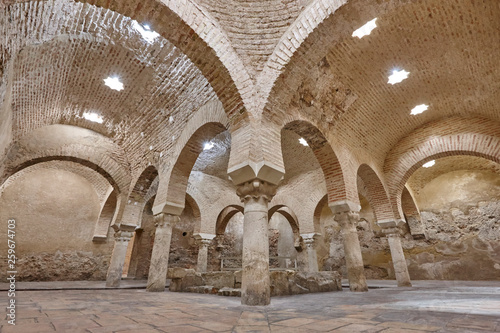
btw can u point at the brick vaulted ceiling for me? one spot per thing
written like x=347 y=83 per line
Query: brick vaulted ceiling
x=59 y=51
x=451 y=50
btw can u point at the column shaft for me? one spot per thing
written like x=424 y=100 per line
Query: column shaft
x=203 y=256
x=398 y=260
x=255 y=283
x=161 y=248
x=312 y=257
x=352 y=249
x=115 y=269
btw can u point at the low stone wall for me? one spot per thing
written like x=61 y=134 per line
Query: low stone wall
x=282 y=282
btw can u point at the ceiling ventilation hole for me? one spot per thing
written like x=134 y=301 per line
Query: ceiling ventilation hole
x=365 y=30
x=114 y=83
x=398 y=76
x=303 y=142
x=429 y=164
x=145 y=31
x=208 y=146
x=92 y=116
x=419 y=109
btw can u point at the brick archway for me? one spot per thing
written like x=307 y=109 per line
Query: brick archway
x=376 y=193
x=461 y=136
x=208 y=122
x=339 y=186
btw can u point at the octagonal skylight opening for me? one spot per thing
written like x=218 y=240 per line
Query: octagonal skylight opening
x=398 y=76
x=419 y=109
x=92 y=116
x=365 y=30
x=208 y=146
x=429 y=164
x=114 y=83
x=303 y=142
x=145 y=31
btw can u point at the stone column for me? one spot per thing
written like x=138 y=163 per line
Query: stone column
x=255 y=283
x=312 y=257
x=115 y=270
x=161 y=248
x=393 y=233
x=204 y=241
x=352 y=250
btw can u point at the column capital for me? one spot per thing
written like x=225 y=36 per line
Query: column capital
x=203 y=239
x=256 y=189
x=347 y=219
x=344 y=206
x=123 y=236
x=310 y=238
x=200 y=235
x=163 y=220
x=391 y=228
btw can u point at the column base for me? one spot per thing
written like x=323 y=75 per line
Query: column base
x=113 y=284
x=155 y=287
x=358 y=287
x=404 y=284
x=255 y=300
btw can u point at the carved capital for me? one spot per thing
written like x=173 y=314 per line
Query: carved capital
x=256 y=189
x=391 y=228
x=347 y=220
x=309 y=239
x=123 y=236
x=165 y=220
x=204 y=242
x=392 y=232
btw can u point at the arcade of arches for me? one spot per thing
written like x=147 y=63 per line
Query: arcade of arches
x=262 y=131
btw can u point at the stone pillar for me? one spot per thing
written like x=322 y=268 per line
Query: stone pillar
x=352 y=250
x=312 y=257
x=255 y=283
x=161 y=248
x=393 y=233
x=203 y=240
x=115 y=269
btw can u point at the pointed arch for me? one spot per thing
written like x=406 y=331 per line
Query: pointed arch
x=376 y=193
x=290 y=216
x=339 y=186
x=461 y=136
x=208 y=122
x=224 y=216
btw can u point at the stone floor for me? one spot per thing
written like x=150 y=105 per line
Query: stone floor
x=434 y=306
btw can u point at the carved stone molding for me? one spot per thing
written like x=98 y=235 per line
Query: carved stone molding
x=123 y=236
x=347 y=220
x=256 y=189
x=164 y=220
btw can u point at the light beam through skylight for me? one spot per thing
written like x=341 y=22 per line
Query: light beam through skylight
x=303 y=142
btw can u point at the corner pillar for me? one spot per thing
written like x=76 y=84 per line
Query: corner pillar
x=312 y=256
x=204 y=241
x=255 y=284
x=161 y=249
x=348 y=219
x=115 y=269
x=393 y=234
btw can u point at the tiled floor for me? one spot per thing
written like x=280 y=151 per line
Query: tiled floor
x=427 y=307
